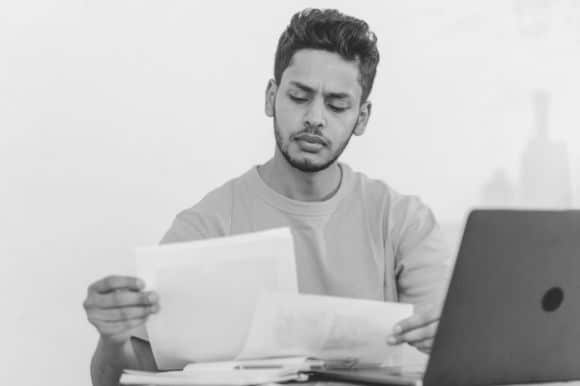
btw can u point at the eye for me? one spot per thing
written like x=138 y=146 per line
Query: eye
x=298 y=99
x=337 y=109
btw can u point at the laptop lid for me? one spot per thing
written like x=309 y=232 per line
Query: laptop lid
x=512 y=311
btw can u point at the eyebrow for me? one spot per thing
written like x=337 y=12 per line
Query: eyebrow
x=333 y=95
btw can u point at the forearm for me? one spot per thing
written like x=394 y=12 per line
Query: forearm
x=109 y=361
x=118 y=306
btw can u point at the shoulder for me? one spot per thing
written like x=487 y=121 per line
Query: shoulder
x=410 y=219
x=395 y=203
x=372 y=191
x=401 y=212
x=217 y=202
x=210 y=217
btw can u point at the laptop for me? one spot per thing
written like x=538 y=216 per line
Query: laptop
x=512 y=311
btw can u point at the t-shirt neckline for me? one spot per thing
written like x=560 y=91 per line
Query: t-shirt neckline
x=303 y=208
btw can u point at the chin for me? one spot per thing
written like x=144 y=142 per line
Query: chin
x=304 y=161
x=308 y=166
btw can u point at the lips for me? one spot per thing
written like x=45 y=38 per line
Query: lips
x=311 y=139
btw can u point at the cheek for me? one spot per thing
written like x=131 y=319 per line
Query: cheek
x=288 y=117
x=350 y=118
x=344 y=124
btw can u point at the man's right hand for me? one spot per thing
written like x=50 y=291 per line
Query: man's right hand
x=116 y=305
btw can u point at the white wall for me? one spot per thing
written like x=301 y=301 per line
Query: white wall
x=114 y=115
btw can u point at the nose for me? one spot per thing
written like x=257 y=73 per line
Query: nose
x=314 y=116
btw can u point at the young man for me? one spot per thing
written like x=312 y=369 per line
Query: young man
x=354 y=236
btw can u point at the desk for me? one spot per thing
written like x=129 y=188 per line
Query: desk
x=412 y=355
x=572 y=383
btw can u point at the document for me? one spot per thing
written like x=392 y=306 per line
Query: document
x=236 y=298
x=327 y=328
x=235 y=373
x=211 y=378
x=208 y=290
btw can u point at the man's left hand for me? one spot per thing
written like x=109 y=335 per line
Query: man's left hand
x=418 y=330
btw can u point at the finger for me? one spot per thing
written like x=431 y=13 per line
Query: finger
x=419 y=334
x=120 y=299
x=111 y=283
x=424 y=345
x=121 y=314
x=115 y=328
x=416 y=335
x=415 y=321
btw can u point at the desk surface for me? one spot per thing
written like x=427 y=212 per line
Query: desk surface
x=572 y=383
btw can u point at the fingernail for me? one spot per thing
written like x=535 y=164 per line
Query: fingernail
x=152 y=297
x=397 y=330
x=140 y=284
x=155 y=309
x=391 y=340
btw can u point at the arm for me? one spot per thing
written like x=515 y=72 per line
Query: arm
x=116 y=306
x=422 y=260
x=422 y=268
x=125 y=351
x=109 y=361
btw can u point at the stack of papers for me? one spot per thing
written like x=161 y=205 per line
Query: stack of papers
x=291 y=363
x=268 y=371
x=231 y=315
x=223 y=377
x=235 y=373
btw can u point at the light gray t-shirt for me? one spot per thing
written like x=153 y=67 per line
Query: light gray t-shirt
x=366 y=241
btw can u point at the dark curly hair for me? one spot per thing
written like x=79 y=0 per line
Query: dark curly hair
x=333 y=31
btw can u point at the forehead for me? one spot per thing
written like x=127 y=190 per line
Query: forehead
x=323 y=70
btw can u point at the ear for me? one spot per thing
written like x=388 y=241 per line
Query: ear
x=363 y=118
x=271 y=90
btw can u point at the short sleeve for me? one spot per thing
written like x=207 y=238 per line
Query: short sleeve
x=422 y=254
x=188 y=225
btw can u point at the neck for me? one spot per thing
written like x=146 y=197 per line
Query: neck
x=295 y=184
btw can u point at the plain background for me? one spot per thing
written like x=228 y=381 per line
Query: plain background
x=115 y=115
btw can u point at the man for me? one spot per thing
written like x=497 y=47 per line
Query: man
x=354 y=237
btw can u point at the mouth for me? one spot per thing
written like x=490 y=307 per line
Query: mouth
x=310 y=138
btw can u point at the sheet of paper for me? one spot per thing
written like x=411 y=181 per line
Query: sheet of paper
x=214 y=378
x=292 y=363
x=325 y=328
x=208 y=290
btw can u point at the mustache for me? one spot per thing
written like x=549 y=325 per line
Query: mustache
x=313 y=130
x=310 y=130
